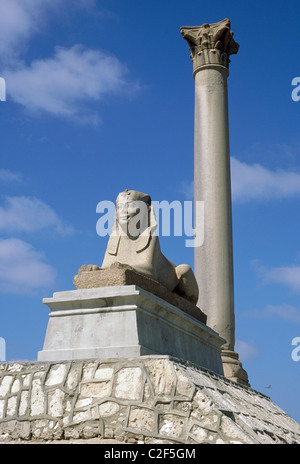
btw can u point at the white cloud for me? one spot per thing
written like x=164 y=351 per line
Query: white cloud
x=65 y=83
x=9 y=176
x=246 y=350
x=29 y=214
x=61 y=85
x=22 y=268
x=20 y=20
x=285 y=312
x=254 y=182
x=285 y=275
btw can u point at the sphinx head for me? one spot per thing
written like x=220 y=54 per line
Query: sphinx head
x=133 y=213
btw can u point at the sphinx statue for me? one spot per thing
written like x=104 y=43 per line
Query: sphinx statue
x=134 y=243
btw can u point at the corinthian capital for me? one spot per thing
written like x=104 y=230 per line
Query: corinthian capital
x=210 y=43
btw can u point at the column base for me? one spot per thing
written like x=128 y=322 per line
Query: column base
x=233 y=369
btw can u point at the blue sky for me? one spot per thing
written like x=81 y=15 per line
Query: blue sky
x=100 y=97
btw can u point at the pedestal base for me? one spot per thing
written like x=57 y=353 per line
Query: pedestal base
x=125 y=321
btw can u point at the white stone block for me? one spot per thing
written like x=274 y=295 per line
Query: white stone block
x=37 y=398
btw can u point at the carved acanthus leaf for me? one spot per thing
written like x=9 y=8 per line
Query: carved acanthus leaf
x=210 y=43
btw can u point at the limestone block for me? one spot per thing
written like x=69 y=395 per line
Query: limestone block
x=108 y=408
x=55 y=403
x=73 y=376
x=95 y=389
x=37 y=398
x=171 y=425
x=142 y=419
x=11 y=406
x=88 y=371
x=81 y=416
x=200 y=433
x=129 y=383
x=81 y=402
x=15 y=386
x=26 y=379
x=161 y=376
x=104 y=373
x=56 y=374
x=202 y=405
x=2 y=405
x=23 y=406
x=5 y=385
x=233 y=432
x=183 y=387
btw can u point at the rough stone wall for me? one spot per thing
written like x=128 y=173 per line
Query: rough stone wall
x=151 y=399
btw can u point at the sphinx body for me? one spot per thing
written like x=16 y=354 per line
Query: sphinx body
x=139 y=247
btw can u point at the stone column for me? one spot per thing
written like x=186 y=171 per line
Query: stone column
x=210 y=46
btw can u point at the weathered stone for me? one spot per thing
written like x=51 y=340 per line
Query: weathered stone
x=171 y=425
x=11 y=406
x=24 y=430
x=56 y=374
x=184 y=387
x=200 y=433
x=108 y=408
x=129 y=383
x=142 y=419
x=203 y=404
x=233 y=432
x=73 y=376
x=26 y=380
x=37 y=398
x=161 y=376
x=83 y=402
x=15 y=386
x=23 y=403
x=219 y=411
x=55 y=403
x=95 y=389
x=104 y=373
x=81 y=416
x=6 y=384
x=2 y=405
x=15 y=367
x=88 y=371
x=90 y=430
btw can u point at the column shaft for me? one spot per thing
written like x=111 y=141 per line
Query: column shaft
x=214 y=259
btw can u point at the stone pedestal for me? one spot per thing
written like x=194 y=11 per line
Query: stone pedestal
x=122 y=322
